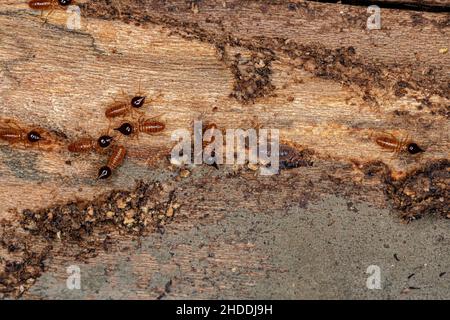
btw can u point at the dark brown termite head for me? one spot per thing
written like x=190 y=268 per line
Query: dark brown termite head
x=138 y=101
x=65 y=3
x=104 y=141
x=125 y=129
x=104 y=172
x=413 y=148
x=34 y=136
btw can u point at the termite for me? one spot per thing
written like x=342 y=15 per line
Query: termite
x=122 y=108
x=19 y=135
x=49 y=5
x=148 y=126
x=114 y=161
x=392 y=144
x=90 y=144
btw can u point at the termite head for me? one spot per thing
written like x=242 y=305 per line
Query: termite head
x=413 y=148
x=125 y=129
x=34 y=136
x=104 y=141
x=65 y=2
x=138 y=101
x=104 y=172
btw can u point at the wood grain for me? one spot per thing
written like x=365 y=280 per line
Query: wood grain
x=331 y=85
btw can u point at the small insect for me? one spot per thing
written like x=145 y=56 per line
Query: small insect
x=20 y=135
x=114 y=161
x=123 y=108
x=89 y=144
x=49 y=5
x=148 y=126
x=392 y=144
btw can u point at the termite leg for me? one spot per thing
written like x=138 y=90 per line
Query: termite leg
x=124 y=94
x=140 y=113
x=48 y=15
x=14 y=122
x=157 y=116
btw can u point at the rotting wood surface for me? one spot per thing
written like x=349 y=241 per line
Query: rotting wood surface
x=311 y=70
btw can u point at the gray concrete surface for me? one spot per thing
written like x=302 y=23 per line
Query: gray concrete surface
x=318 y=252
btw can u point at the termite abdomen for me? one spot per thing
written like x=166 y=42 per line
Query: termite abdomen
x=82 y=145
x=388 y=143
x=11 y=135
x=40 y=4
x=116 y=110
x=151 y=126
x=117 y=157
x=48 y=4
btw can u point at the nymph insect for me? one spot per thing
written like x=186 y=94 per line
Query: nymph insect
x=393 y=144
x=123 y=108
x=114 y=161
x=49 y=5
x=17 y=134
x=148 y=126
x=90 y=144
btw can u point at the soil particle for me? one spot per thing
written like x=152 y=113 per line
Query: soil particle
x=424 y=191
x=87 y=226
x=252 y=76
x=291 y=157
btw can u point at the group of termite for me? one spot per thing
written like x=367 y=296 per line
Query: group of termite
x=13 y=133
x=130 y=128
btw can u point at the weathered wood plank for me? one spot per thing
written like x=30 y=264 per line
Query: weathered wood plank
x=311 y=70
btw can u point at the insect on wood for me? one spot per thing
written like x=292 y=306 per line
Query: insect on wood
x=148 y=126
x=88 y=144
x=114 y=161
x=391 y=143
x=49 y=5
x=14 y=133
x=126 y=106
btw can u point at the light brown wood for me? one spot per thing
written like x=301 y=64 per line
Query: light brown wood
x=331 y=86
